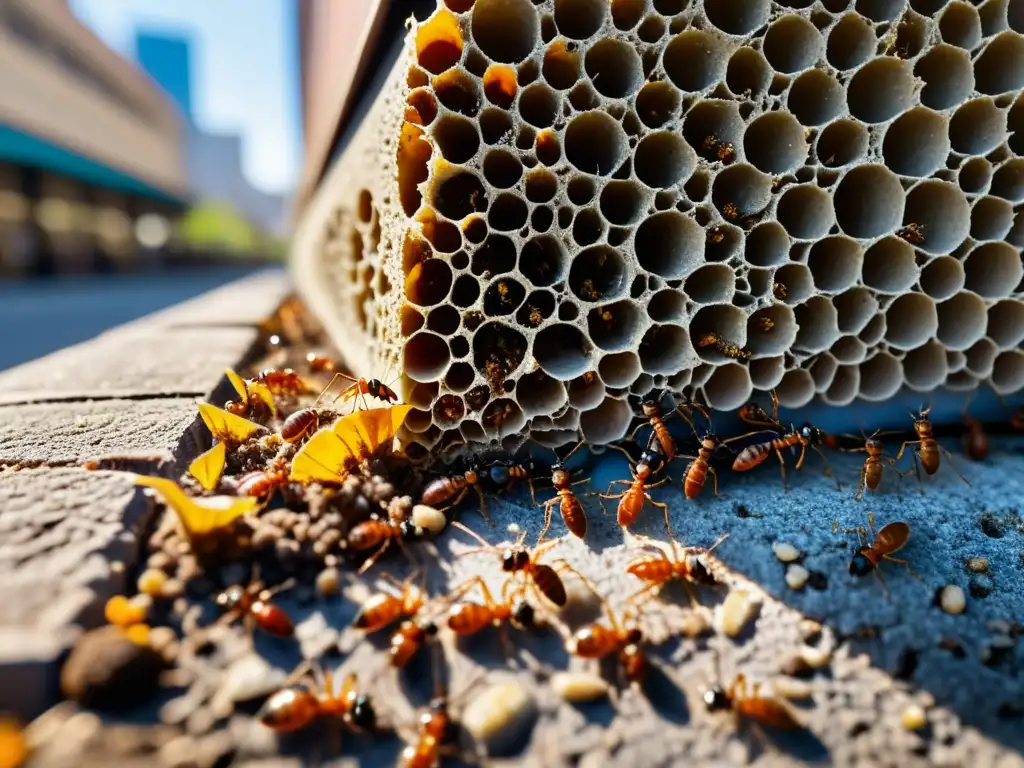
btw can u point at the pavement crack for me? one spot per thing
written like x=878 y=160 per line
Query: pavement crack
x=99 y=398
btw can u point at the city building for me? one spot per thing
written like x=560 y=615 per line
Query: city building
x=213 y=161
x=92 y=171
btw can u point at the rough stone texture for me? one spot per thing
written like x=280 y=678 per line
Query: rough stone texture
x=72 y=432
x=61 y=532
x=568 y=196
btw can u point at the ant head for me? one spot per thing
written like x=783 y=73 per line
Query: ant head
x=472 y=475
x=409 y=530
x=560 y=476
x=634 y=635
x=716 y=699
x=699 y=572
x=230 y=597
x=498 y=474
x=429 y=628
x=363 y=715
x=650 y=407
x=860 y=564
x=812 y=434
x=514 y=560
x=874 y=445
x=523 y=614
x=438 y=705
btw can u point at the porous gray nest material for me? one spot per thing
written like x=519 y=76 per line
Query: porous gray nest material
x=552 y=203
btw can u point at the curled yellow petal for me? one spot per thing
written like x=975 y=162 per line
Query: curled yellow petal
x=208 y=467
x=225 y=426
x=200 y=516
x=238 y=383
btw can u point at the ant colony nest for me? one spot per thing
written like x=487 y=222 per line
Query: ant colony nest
x=554 y=205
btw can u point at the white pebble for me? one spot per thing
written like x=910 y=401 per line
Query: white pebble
x=809 y=628
x=978 y=564
x=785 y=551
x=952 y=599
x=248 y=678
x=737 y=609
x=579 y=687
x=513 y=528
x=499 y=714
x=428 y=518
x=816 y=658
x=791 y=688
x=913 y=718
x=796 y=576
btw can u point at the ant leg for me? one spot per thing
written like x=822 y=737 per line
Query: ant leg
x=782 y=470
x=533 y=492
x=714 y=478
x=871 y=523
x=483 y=505
x=903 y=447
x=828 y=467
x=905 y=564
x=458 y=500
x=548 y=509
x=581 y=482
x=461 y=590
x=374 y=557
x=646 y=589
x=664 y=508
x=862 y=485
x=660 y=482
x=949 y=458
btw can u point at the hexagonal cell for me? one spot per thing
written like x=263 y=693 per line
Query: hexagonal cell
x=1000 y=66
x=737 y=20
x=666 y=349
x=619 y=369
x=607 y=422
x=942 y=277
x=793 y=284
x=598 y=274
x=775 y=143
x=667 y=306
x=796 y=389
x=748 y=74
x=869 y=202
x=845 y=386
x=615 y=327
x=712 y=127
x=818 y=323
x=991 y=218
x=540 y=395
x=939 y=211
x=624 y=202
x=767 y=245
x=428 y=283
x=851 y=42
x=977 y=127
x=439 y=42
x=816 y=97
x=538 y=105
x=458 y=196
x=502 y=168
x=711 y=284
x=925 y=368
x=663 y=159
x=916 y=143
x=792 y=44
x=823 y=370
x=910 y=321
x=841 y=143
x=729 y=387
x=890 y=266
x=561 y=67
x=724 y=322
x=880 y=90
x=962 y=320
x=614 y=67
x=426 y=356
x=975 y=175
x=542 y=260
x=771 y=330
x=767 y=372
x=880 y=377
x=505 y=30
x=849 y=350
x=741 y=190
x=805 y=210
x=993 y=270
x=695 y=60
x=669 y=244
x=595 y=143
x=562 y=351
x=948 y=77
x=1008 y=372
x=960 y=25
x=835 y=263
x=579 y=19
x=503 y=418
x=657 y=103
x=1006 y=323
x=1008 y=181
x=586 y=391
x=503 y=296
x=981 y=357
x=458 y=91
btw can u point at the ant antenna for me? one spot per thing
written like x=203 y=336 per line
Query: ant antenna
x=474 y=534
x=721 y=538
x=565 y=458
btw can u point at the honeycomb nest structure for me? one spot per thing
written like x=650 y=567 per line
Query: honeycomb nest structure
x=551 y=203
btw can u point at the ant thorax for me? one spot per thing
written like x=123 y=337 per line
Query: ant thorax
x=861 y=564
x=513 y=560
x=697 y=568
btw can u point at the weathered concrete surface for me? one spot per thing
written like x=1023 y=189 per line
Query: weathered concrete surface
x=62 y=532
x=72 y=432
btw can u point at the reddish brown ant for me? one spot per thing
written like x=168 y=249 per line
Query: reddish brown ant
x=406 y=641
x=750 y=705
x=519 y=560
x=252 y=604
x=362 y=388
x=652 y=412
x=310 y=696
x=891 y=538
x=384 y=608
x=263 y=483
x=435 y=734
x=631 y=501
x=684 y=565
x=874 y=463
x=573 y=514
x=377 y=534
x=468 y=618
x=700 y=465
x=928 y=449
x=282 y=381
x=975 y=438
x=320 y=364
x=442 y=489
x=807 y=436
x=624 y=638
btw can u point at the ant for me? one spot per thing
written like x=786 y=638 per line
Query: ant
x=311 y=695
x=406 y=641
x=442 y=489
x=685 y=565
x=874 y=464
x=503 y=475
x=975 y=439
x=573 y=514
x=252 y=404
x=468 y=618
x=436 y=733
x=304 y=422
x=807 y=436
x=378 y=534
x=928 y=449
x=253 y=605
x=748 y=704
x=260 y=483
x=700 y=465
x=362 y=387
x=282 y=381
x=891 y=538
x=723 y=345
x=320 y=363
x=632 y=499
x=625 y=638
x=383 y=608
x=652 y=412
x=517 y=559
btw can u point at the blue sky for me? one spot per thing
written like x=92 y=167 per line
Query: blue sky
x=245 y=72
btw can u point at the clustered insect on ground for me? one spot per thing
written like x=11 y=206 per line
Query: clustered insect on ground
x=303 y=489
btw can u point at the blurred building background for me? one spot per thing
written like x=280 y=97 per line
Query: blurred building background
x=92 y=168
